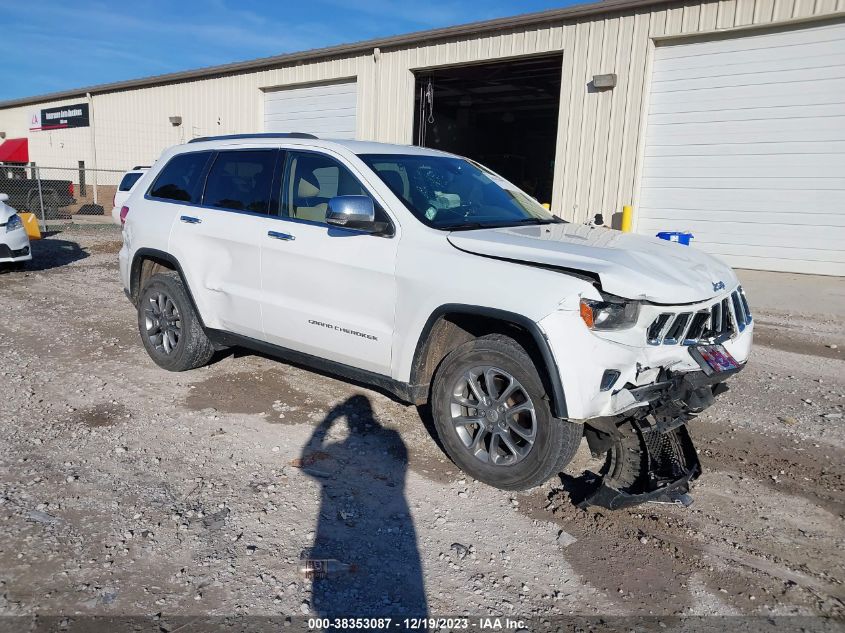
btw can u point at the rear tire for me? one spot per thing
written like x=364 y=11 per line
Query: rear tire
x=170 y=329
x=531 y=446
x=51 y=206
x=33 y=205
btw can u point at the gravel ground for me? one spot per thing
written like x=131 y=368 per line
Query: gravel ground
x=125 y=489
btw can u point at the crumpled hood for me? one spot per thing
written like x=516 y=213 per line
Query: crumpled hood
x=628 y=265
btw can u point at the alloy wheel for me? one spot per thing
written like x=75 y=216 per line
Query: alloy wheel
x=163 y=323
x=493 y=416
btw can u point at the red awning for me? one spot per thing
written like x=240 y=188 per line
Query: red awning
x=14 y=150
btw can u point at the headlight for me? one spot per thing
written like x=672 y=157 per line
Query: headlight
x=14 y=223
x=611 y=314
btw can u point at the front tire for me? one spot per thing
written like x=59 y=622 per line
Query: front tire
x=493 y=417
x=629 y=459
x=170 y=329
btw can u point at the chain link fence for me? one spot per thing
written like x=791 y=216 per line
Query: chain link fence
x=59 y=196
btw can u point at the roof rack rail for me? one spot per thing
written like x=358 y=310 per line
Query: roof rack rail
x=226 y=137
x=137 y=167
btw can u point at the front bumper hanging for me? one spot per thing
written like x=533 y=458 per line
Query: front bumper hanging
x=670 y=464
x=667 y=457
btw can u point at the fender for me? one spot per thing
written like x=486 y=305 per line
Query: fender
x=135 y=273
x=552 y=372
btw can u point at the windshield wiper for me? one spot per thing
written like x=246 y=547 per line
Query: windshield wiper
x=552 y=220
x=468 y=226
x=464 y=226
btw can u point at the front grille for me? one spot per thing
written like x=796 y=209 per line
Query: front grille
x=718 y=322
x=6 y=252
x=677 y=329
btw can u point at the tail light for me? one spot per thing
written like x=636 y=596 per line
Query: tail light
x=124 y=211
x=70 y=189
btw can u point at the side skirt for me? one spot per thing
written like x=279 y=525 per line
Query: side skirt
x=411 y=394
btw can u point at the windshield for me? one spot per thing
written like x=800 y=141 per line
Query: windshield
x=454 y=193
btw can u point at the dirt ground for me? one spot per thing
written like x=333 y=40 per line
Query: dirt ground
x=125 y=489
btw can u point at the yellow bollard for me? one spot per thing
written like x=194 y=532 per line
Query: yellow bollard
x=30 y=224
x=627 y=218
x=547 y=206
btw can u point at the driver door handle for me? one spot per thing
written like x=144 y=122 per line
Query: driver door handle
x=276 y=235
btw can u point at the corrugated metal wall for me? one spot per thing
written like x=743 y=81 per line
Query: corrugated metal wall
x=598 y=133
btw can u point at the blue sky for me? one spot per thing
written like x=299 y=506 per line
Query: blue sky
x=56 y=45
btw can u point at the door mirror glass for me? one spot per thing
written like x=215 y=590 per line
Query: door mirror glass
x=353 y=212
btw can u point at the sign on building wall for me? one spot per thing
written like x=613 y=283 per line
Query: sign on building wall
x=58 y=118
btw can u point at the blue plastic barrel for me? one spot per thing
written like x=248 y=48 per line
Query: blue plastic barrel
x=676 y=236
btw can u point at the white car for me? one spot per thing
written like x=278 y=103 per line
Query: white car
x=430 y=277
x=14 y=242
x=127 y=182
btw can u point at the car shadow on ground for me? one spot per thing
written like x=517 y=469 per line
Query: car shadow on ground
x=48 y=254
x=241 y=352
x=364 y=519
x=427 y=418
x=579 y=488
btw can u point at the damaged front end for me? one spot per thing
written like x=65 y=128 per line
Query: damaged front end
x=650 y=455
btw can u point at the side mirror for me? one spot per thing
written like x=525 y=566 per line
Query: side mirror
x=598 y=220
x=352 y=212
x=4 y=197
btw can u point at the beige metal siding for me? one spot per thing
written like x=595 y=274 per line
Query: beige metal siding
x=745 y=147
x=60 y=148
x=598 y=141
x=132 y=126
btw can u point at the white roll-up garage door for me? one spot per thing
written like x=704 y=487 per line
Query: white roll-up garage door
x=327 y=110
x=745 y=148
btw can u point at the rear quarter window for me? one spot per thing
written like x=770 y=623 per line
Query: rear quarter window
x=128 y=181
x=242 y=180
x=180 y=179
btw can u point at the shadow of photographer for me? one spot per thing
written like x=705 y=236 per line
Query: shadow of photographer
x=364 y=520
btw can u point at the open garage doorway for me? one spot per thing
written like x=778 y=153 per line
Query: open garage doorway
x=502 y=114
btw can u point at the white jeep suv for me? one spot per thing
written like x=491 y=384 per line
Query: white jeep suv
x=121 y=195
x=430 y=277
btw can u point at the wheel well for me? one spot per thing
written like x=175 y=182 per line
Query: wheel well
x=145 y=267
x=450 y=330
x=33 y=195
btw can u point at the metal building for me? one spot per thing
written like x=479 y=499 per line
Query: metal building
x=725 y=118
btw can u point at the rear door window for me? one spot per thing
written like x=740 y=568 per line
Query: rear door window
x=181 y=178
x=128 y=181
x=242 y=180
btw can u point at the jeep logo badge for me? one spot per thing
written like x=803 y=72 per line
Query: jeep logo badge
x=718 y=285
